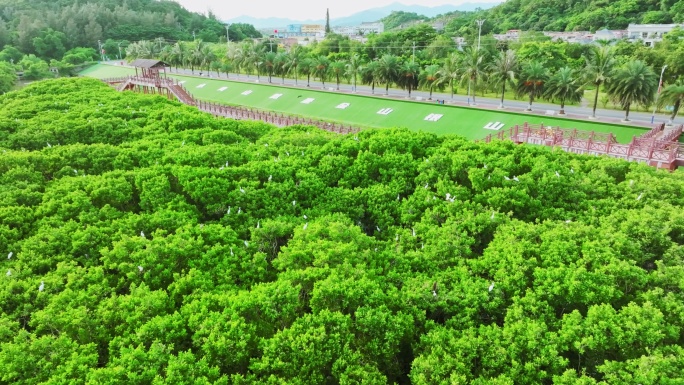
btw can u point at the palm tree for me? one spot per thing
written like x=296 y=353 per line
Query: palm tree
x=353 y=68
x=564 y=86
x=599 y=68
x=216 y=66
x=408 y=76
x=208 y=56
x=269 y=64
x=673 y=95
x=634 y=82
x=451 y=71
x=533 y=77
x=294 y=58
x=388 y=70
x=321 y=65
x=177 y=55
x=196 y=56
x=369 y=74
x=503 y=71
x=233 y=55
x=281 y=65
x=430 y=77
x=337 y=68
x=471 y=64
x=306 y=67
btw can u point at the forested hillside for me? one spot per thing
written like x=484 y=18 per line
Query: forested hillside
x=145 y=242
x=76 y=23
x=582 y=15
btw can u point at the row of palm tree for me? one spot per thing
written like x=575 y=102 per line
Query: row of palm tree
x=632 y=83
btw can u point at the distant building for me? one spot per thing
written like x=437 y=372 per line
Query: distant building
x=303 y=30
x=438 y=26
x=360 y=30
x=510 y=35
x=374 y=27
x=649 y=33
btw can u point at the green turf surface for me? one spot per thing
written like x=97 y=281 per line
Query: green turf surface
x=363 y=111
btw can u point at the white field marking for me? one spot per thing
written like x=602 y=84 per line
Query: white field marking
x=498 y=127
x=222 y=89
x=308 y=100
x=246 y=92
x=433 y=117
x=275 y=96
x=385 y=111
x=490 y=126
x=342 y=106
x=202 y=85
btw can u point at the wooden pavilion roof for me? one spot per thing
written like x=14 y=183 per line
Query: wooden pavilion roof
x=148 y=63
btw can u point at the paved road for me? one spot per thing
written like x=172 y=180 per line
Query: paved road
x=578 y=112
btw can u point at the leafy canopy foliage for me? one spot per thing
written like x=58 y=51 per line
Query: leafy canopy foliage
x=146 y=242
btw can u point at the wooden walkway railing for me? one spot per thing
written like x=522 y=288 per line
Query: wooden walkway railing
x=658 y=147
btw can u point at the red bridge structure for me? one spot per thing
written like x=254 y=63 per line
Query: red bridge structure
x=658 y=147
x=151 y=78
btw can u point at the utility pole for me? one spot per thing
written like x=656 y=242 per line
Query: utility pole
x=479 y=35
x=660 y=84
x=99 y=47
x=413 y=59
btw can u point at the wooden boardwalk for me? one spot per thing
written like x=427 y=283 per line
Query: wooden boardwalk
x=659 y=147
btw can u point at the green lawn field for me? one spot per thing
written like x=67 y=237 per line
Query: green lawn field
x=363 y=111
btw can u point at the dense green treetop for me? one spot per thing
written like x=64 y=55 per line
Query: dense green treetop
x=398 y=18
x=145 y=242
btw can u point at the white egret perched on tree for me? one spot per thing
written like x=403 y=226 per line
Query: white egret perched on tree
x=413 y=231
x=639 y=197
x=515 y=178
x=48 y=144
x=507 y=178
x=142 y=234
x=491 y=287
x=557 y=174
x=258 y=224
x=140 y=269
x=305 y=217
x=231 y=251
x=239 y=210
x=242 y=190
x=9 y=273
x=9 y=256
x=294 y=203
x=228 y=212
x=270 y=177
x=246 y=244
x=305 y=226
x=42 y=286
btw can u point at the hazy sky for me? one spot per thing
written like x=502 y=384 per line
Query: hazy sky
x=298 y=9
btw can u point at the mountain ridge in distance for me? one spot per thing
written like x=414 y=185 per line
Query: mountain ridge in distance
x=372 y=14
